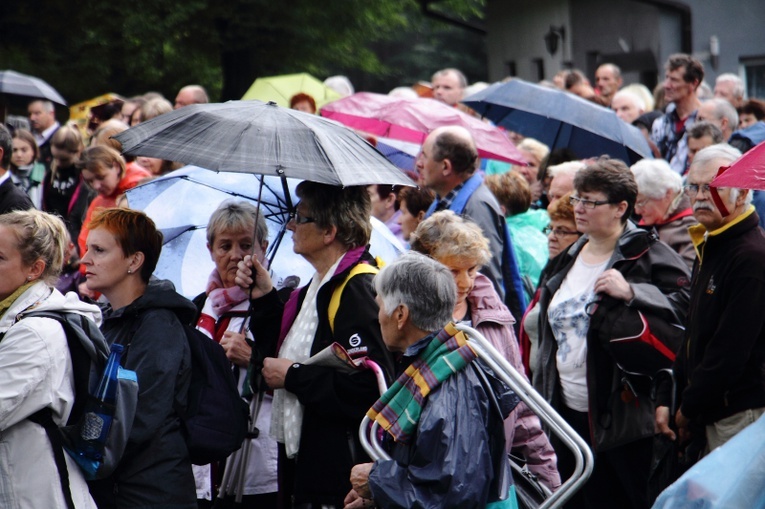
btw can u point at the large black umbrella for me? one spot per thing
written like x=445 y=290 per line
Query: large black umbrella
x=13 y=83
x=262 y=138
x=560 y=120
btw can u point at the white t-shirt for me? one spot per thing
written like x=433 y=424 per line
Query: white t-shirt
x=569 y=321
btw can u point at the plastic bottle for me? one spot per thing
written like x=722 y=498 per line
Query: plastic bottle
x=99 y=411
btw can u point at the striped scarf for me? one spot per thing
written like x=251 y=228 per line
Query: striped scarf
x=398 y=410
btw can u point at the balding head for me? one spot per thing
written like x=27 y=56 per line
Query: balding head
x=456 y=144
x=608 y=79
x=191 y=94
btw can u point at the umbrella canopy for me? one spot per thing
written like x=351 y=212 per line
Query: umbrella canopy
x=195 y=193
x=747 y=172
x=263 y=138
x=17 y=84
x=280 y=89
x=560 y=120
x=412 y=120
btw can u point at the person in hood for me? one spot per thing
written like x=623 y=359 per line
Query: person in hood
x=146 y=316
x=612 y=269
x=442 y=406
x=36 y=370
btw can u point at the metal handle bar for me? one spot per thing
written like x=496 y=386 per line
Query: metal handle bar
x=509 y=375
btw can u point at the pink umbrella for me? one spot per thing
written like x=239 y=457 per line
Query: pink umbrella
x=747 y=172
x=412 y=119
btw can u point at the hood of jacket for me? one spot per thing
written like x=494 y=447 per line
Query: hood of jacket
x=41 y=297
x=160 y=293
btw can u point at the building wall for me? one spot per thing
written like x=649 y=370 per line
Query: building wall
x=648 y=30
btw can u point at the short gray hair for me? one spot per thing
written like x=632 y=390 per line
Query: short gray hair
x=568 y=168
x=724 y=109
x=655 y=176
x=738 y=89
x=637 y=101
x=726 y=155
x=423 y=285
x=232 y=215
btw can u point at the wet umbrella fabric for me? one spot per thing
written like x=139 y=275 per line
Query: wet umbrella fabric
x=181 y=203
x=262 y=138
x=412 y=120
x=16 y=84
x=747 y=172
x=560 y=120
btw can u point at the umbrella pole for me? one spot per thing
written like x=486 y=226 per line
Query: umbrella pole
x=254 y=246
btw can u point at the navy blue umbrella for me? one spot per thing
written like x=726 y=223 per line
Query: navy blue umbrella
x=560 y=120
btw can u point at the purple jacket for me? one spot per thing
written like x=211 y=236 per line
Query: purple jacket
x=523 y=431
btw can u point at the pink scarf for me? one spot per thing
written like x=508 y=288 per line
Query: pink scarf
x=223 y=299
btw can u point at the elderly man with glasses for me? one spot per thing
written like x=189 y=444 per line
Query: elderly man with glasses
x=719 y=368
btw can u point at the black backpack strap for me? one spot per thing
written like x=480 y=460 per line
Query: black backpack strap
x=44 y=418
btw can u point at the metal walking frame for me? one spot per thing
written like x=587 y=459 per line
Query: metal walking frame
x=368 y=430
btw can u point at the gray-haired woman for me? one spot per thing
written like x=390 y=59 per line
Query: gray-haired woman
x=317 y=409
x=661 y=203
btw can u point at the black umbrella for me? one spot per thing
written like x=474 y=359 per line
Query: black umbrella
x=17 y=84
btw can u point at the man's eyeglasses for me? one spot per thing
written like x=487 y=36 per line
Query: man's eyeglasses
x=559 y=232
x=588 y=204
x=693 y=189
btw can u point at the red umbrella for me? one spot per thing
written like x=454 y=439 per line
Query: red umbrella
x=747 y=172
x=412 y=119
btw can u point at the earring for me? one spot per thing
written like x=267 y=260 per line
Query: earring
x=130 y=271
x=29 y=278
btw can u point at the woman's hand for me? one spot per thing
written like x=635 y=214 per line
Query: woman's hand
x=237 y=349
x=612 y=283
x=275 y=371
x=243 y=279
x=662 y=422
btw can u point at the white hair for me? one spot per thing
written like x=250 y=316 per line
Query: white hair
x=425 y=286
x=738 y=88
x=340 y=84
x=641 y=91
x=637 y=101
x=721 y=154
x=567 y=168
x=655 y=177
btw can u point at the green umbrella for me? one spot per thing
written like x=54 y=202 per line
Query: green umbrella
x=280 y=89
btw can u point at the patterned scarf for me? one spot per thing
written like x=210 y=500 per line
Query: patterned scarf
x=6 y=303
x=223 y=299
x=398 y=410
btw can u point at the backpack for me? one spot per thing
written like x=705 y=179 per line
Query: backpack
x=216 y=417
x=89 y=352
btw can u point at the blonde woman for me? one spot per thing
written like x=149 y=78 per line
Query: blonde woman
x=35 y=364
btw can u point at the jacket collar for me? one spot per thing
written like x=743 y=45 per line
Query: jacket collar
x=699 y=233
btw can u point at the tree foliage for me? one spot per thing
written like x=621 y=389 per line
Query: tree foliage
x=89 y=47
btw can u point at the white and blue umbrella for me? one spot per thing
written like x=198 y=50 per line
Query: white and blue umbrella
x=181 y=203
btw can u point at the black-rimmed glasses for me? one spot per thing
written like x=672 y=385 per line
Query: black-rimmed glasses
x=588 y=204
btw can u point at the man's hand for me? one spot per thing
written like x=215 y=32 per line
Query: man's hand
x=682 y=424
x=275 y=371
x=237 y=349
x=662 y=422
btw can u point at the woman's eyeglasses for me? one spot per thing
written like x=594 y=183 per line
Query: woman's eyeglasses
x=559 y=232
x=588 y=204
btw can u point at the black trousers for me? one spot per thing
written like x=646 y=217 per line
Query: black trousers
x=620 y=477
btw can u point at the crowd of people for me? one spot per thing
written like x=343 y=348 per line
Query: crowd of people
x=549 y=261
